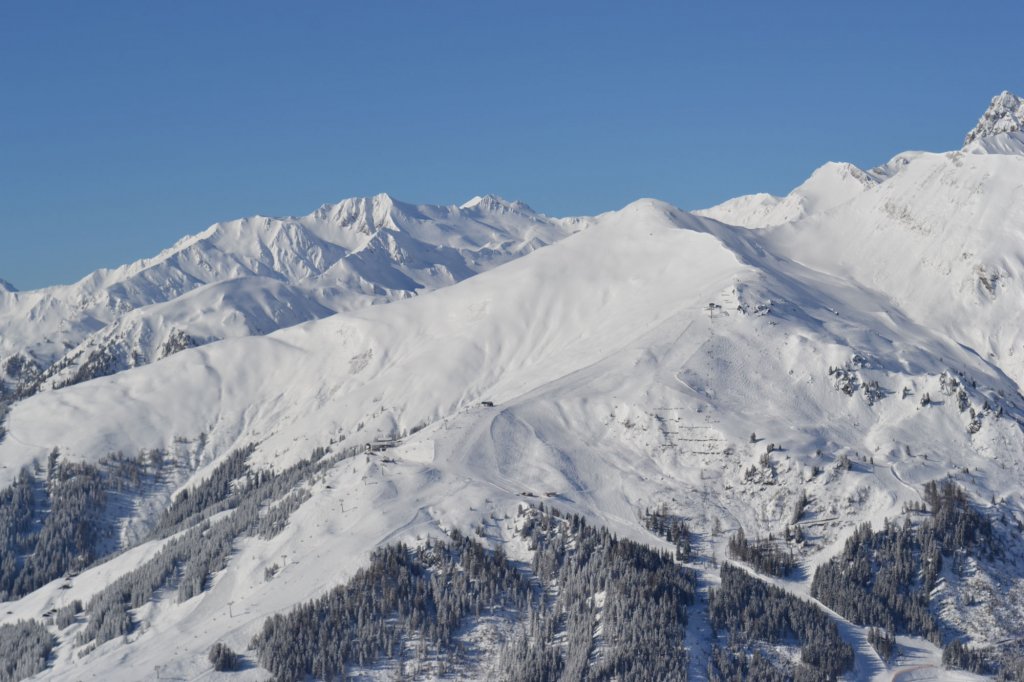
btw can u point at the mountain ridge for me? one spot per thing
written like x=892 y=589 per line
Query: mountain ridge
x=832 y=403
x=343 y=255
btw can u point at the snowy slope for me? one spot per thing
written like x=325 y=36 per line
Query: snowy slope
x=268 y=273
x=831 y=185
x=942 y=239
x=449 y=348
x=938 y=233
x=1002 y=143
x=648 y=359
x=602 y=355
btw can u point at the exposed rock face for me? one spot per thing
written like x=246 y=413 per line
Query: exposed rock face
x=1004 y=115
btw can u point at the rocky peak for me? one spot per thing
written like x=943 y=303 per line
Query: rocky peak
x=1004 y=115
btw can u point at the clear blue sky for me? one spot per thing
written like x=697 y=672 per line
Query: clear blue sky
x=126 y=125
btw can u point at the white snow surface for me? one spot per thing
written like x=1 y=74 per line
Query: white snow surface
x=829 y=186
x=628 y=364
x=1003 y=143
x=258 y=274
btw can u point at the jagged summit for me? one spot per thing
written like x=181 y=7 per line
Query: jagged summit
x=492 y=202
x=254 y=275
x=1005 y=114
x=6 y=286
x=365 y=214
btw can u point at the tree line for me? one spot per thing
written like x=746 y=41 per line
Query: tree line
x=884 y=578
x=25 y=649
x=562 y=641
x=764 y=555
x=410 y=604
x=188 y=561
x=58 y=520
x=751 y=610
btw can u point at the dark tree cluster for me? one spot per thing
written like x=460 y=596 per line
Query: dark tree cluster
x=190 y=559
x=884 y=643
x=560 y=639
x=751 y=610
x=962 y=657
x=18 y=531
x=404 y=594
x=19 y=367
x=873 y=392
x=123 y=473
x=50 y=527
x=67 y=615
x=671 y=527
x=1011 y=666
x=215 y=545
x=223 y=658
x=733 y=664
x=3 y=411
x=213 y=495
x=276 y=517
x=177 y=340
x=799 y=507
x=885 y=578
x=248 y=519
x=24 y=372
x=25 y=649
x=100 y=363
x=31 y=387
x=794 y=533
x=59 y=521
x=844 y=379
x=1003 y=661
x=415 y=601
x=107 y=613
x=764 y=555
x=956 y=524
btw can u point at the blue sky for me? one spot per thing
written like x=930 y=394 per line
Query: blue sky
x=126 y=125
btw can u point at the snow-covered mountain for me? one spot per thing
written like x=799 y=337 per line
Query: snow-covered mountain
x=829 y=186
x=1004 y=115
x=942 y=239
x=1000 y=130
x=788 y=383
x=255 y=275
